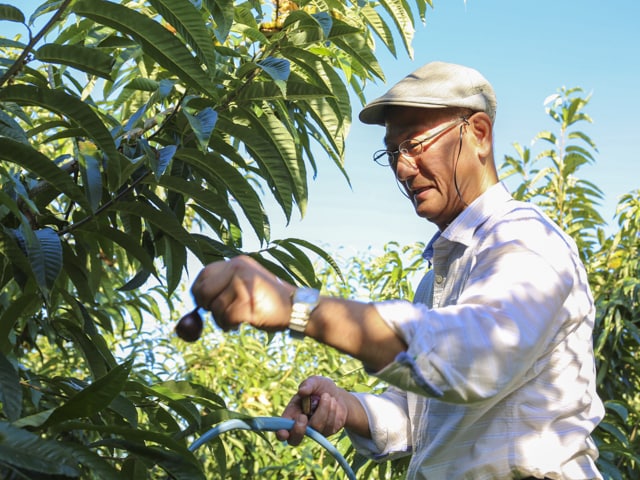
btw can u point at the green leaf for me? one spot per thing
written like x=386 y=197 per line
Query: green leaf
x=238 y=185
x=163 y=219
x=67 y=105
x=11 y=204
x=401 y=16
x=379 y=26
x=18 y=309
x=33 y=161
x=202 y=123
x=26 y=451
x=137 y=435
x=356 y=46
x=129 y=242
x=273 y=148
x=137 y=281
x=11 y=13
x=12 y=129
x=156 y=41
x=222 y=12
x=89 y=60
x=10 y=389
x=333 y=113
x=298 y=88
x=92 y=179
x=175 y=260
x=181 y=406
x=213 y=249
x=44 y=251
x=616 y=431
x=619 y=408
x=75 y=269
x=98 y=466
x=296 y=267
x=97 y=359
x=278 y=69
x=177 y=390
x=207 y=198
x=303 y=29
x=178 y=466
x=188 y=22
x=94 y=398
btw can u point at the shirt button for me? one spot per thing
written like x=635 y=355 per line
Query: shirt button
x=439 y=279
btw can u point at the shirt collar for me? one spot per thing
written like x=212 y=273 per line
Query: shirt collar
x=463 y=227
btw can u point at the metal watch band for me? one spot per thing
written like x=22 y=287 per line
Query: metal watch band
x=304 y=301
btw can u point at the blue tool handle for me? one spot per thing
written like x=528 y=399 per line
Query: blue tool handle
x=271 y=424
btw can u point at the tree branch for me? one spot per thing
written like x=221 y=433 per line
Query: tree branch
x=17 y=65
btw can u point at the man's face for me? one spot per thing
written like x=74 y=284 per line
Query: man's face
x=430 y=177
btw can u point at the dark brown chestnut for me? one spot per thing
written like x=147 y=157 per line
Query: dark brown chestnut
x=309 y=404
x=189 y=327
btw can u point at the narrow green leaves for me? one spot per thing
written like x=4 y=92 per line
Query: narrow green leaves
x=66 y=105
x=156 y=41
x=403 y=20
x=94 y=398
x=36 y=163
x=279 y=70
x=11 y=13
x=220 y=172
x=202 y=122
x=379 y=27
x=44 y=253
x=27 y=451
x=10 y=128
x=10 y=389
x=89 y=60
x=164 y=220
x=187 y=20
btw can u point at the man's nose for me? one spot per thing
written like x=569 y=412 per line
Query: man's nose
x=405 y=168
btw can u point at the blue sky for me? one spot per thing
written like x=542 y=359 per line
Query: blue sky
x=527 y=50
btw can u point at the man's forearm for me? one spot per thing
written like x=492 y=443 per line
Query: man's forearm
x=356 y=329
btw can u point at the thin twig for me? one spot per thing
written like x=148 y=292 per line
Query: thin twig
x=105 y=206
x=17 y=65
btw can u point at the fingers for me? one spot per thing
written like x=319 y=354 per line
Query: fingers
x=294 y=436
x=241 y=290
x=328 y=417
x=211 y=281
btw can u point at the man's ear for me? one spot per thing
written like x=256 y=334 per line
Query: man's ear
x=481 y=127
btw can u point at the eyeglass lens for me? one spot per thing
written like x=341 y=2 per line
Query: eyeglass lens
x=410 y=148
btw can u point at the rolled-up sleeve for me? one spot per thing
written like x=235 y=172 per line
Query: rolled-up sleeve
x=513 y=303
x=388 y=423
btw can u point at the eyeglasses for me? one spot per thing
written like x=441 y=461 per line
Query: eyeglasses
x=412 y=147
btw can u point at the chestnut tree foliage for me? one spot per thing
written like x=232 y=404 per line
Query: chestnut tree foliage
x=137 y=135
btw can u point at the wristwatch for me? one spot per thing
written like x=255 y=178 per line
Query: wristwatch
x=304 y=301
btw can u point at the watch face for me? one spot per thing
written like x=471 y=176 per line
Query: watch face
x=306 y=295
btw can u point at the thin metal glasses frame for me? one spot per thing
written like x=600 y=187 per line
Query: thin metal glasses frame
x=412 y=147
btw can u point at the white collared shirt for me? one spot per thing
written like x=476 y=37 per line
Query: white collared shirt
x=498 y=381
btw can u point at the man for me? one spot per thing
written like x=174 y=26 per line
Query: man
x=491 y=367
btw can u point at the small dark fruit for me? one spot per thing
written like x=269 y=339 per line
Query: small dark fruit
x=189 y=327
x=309 y=404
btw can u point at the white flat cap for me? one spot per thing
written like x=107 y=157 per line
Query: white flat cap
x=435 y=85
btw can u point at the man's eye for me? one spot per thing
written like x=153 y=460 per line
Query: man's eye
x=412 y=147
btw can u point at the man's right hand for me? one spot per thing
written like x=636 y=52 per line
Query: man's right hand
x=336 y=409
